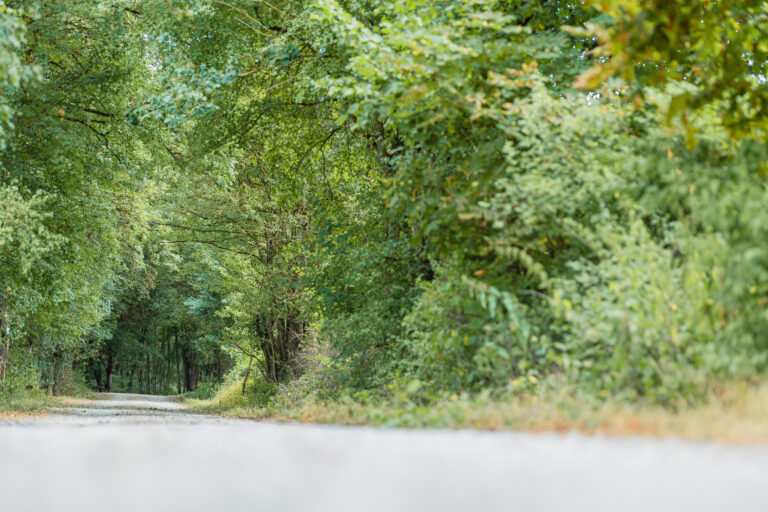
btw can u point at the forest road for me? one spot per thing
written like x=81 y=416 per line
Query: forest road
x=142 y=453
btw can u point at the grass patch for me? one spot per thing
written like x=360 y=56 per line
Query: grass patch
x=736 y=413
x=21 y=403
x=229 y=399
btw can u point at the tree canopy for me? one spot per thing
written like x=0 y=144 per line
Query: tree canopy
x=425 y=196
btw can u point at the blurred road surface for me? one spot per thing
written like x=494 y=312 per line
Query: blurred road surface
x=144 y=453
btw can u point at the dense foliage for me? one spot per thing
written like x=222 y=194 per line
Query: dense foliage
x=366 y=196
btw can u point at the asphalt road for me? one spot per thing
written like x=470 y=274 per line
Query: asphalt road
x=138 y=453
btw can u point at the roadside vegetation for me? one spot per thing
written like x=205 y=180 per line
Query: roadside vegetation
x=18 y=404
x=455 y=213
x=735 y=415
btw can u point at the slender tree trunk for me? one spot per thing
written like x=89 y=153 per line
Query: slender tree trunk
x=99 y=377
x=168 y=355
x=149 y=376
x=186 y=370
x=58 y=370
x=178 y=360
x=52 y=377
x=247 y=374
x=130 y=382
x=5 y=349
x=190 y=368
x=110 y=367
x=5 y=341
x=219 y=366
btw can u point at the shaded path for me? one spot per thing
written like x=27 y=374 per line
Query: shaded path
x=133 y=452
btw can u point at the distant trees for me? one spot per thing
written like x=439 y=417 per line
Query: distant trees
x=70 y=173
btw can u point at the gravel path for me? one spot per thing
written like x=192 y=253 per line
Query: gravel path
x=143 y=453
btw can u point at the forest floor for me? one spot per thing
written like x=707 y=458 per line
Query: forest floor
x=139 y=452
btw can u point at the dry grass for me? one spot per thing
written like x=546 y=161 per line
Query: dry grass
x=70 y=401
x=14 y=416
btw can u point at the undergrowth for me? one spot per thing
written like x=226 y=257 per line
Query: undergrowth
x=733 y=413
x=22 y=401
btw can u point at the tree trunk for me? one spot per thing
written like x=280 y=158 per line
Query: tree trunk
x=178 y=365
x=280 y=348
x=190 y=368
x=149 y=376
x=219 y=366
x=177 y=356
x=110 y=367
x=167 y=376
x=52 y=377
x=130 y=382
x=247 y=374
x=5 y=342
x=99 y=376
